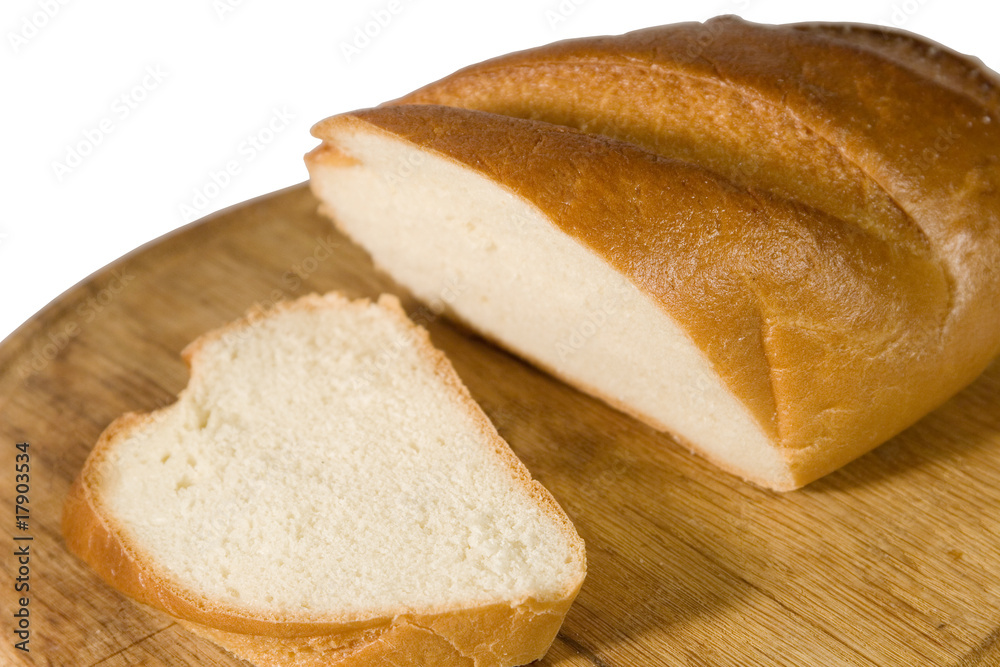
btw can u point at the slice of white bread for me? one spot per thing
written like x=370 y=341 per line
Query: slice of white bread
x=326 y=492
x=779 y=243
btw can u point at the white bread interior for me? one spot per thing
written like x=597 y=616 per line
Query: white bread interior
x=456 y=237
x=326 y=480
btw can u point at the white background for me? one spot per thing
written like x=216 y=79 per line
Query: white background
x=155 y=99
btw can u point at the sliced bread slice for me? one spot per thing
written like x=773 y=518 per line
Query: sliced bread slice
x=326 y=492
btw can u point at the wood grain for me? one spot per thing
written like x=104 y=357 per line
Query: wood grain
x=893 y=560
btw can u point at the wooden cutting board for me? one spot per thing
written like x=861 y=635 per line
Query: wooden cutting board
x=894 y=560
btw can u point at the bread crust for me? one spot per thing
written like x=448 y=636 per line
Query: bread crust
x=480 y=635
x=490 y=635
x=839 y=311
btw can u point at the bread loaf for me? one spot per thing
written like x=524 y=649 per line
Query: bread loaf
x=779 y=243
x=326 y=492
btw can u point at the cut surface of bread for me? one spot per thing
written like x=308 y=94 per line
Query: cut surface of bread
x=735 y=232
x=451 y=232
x=325 y=490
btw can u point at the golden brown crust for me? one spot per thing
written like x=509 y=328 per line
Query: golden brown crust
x=491 y=635
x=850 y=282
x=528 y=626
x=962 y=73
